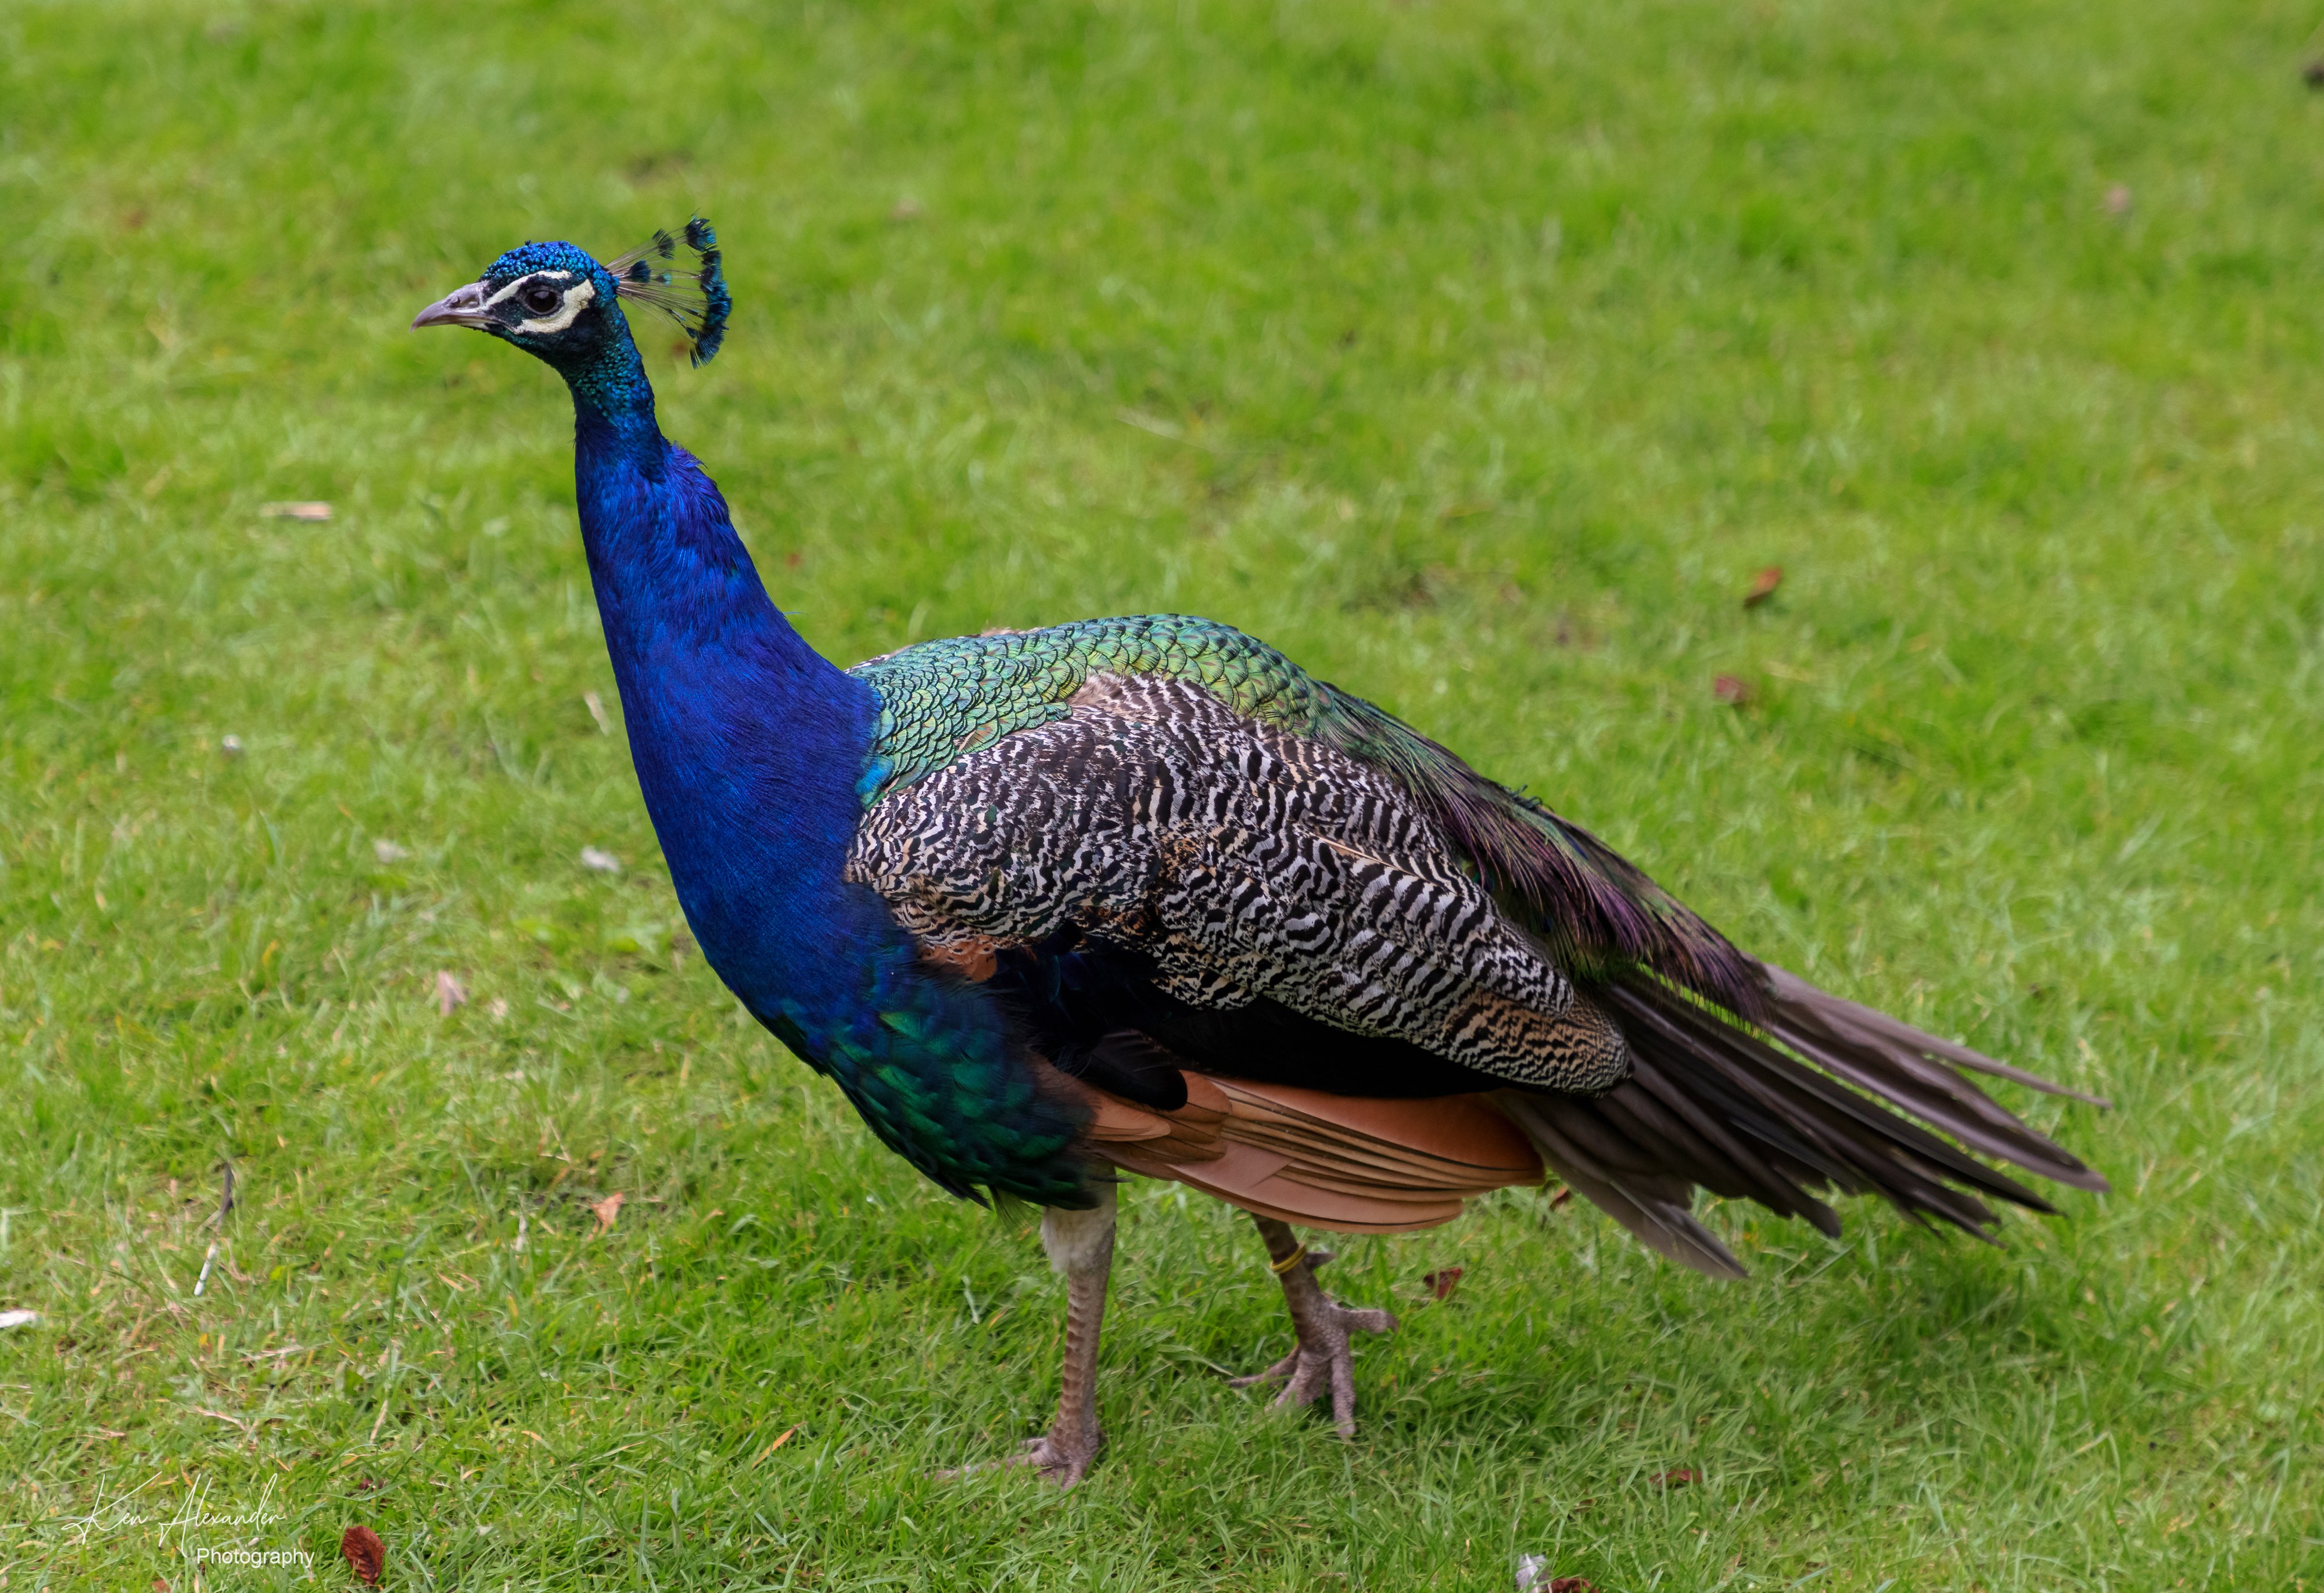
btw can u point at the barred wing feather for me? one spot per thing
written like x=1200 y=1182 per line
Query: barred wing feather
x=1595 y=910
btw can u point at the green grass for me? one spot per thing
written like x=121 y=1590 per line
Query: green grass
x=1475 y=352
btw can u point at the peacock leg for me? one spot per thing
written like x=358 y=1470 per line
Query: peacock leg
x=1322 y=1358
x=1081 y=1247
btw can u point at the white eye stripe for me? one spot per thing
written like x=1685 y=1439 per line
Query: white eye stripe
x=539 y=276
x=577 y=297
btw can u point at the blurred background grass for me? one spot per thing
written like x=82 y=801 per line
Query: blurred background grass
x=1476 y=353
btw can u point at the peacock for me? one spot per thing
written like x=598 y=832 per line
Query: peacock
x=1140 y=896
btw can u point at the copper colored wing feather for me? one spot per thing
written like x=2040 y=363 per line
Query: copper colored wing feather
x=1337 y=1161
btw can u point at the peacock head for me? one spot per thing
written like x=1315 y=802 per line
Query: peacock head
x=556 y=302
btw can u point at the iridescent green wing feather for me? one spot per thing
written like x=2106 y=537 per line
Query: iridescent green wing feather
x=940 y=700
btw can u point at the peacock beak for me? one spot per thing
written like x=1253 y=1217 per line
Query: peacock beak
x=463 y=306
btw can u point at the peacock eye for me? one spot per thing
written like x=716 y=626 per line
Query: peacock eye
x=541 y=301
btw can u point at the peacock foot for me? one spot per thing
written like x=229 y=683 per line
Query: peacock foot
x=1061 y=1458
x=1324 y=1359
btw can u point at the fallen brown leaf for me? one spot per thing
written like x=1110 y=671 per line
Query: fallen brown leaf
x=1763 y=585
x=1443 y=1281
x=450 y=993
x=1731 y=689
x=1677 y=1477
x=367 y=1485
x=608 y=1209
x=1572 y=1585
x=295 y=511
x=1563 y=1197
x=365 y=1555
x=779 y=1443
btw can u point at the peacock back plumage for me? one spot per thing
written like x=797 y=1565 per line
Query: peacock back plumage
x=941 y=701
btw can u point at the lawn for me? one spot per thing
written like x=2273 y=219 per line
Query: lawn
x=1479 y=353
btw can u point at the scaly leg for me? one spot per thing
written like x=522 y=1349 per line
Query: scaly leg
x=1081 y=1247
x=1322 y=1360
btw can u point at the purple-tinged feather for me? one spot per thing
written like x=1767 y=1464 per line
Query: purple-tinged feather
x=1597 y=910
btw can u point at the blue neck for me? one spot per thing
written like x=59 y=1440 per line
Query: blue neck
x=748 y=743
x=750 y=748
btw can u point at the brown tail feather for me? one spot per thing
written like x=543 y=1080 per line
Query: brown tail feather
x=1655 y=1206
x=1711 y=1102
x=1797 y=999
x=1791 y=1106
x=1905 y=1066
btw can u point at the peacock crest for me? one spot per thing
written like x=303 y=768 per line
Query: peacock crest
x=696 y=300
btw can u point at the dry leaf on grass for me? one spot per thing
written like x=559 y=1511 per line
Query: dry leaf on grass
x=1731 y=689
x=1677 y=1477
x=450 y=992
x=603 y=863
x=596 y=706
x=608 y=1209
x=1443 y=1281
x=388 y=851
x=365 y=1555
x=295 y=511
x=1763 y=585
